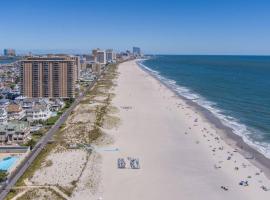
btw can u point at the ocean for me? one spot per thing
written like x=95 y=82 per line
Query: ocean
x=236 y=89
x=7 y=61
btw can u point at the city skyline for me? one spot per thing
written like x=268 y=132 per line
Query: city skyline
x=145 y=99
x=158 y=27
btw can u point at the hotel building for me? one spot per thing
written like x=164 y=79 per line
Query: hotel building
x=50 y=77
x=110 y=55
x=136 y=51
x=101 y=57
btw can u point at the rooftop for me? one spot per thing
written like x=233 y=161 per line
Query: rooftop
x=13 y=108
x=2 y=112
x=38 y=107
x=50 y=58
x=4 y=101
x=15 y=126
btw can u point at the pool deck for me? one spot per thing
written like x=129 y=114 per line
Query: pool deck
x=20 y=156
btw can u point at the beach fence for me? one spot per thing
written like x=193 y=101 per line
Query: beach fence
x=14 y=149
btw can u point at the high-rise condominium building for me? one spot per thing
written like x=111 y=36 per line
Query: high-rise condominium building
x=95 y=51
x=78 y=69
x=136 y=51
x=72 y=57
x=9 y=52
x=50 y=76
x=101 y=57
x=110 y=55
x=93 y=57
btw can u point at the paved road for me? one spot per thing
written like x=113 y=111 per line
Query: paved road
x=39 y=146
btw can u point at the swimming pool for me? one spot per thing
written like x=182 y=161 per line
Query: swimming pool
x=7 y=162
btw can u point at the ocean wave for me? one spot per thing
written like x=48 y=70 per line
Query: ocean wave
x=238 y=128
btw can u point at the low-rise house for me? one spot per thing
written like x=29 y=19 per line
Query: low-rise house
x=14 y=132
x=4 y=103
x=3 y=116
x=15 y=112
x=56 y=105
x=5 y=90
x=39 y=112
x=27 y=104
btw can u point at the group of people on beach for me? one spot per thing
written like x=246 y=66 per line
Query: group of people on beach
x=243 y=183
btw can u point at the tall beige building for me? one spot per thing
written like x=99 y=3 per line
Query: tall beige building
x=101 y=57
x=50 y=76
x=72 y=57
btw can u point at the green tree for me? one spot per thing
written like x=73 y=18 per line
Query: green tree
x=17 y=79
x=31 y=143
x=3 y=175
x=12 y=85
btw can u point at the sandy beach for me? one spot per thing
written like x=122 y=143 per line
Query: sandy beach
x=182 y=155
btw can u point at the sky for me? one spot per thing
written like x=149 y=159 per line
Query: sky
x=239 y=27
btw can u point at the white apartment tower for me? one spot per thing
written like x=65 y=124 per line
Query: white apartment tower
x=110 y=55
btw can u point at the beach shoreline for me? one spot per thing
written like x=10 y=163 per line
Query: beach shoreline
x=181 y=153
x=227 y=134
x=179 y=149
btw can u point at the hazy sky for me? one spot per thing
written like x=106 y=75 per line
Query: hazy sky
x=157 y=26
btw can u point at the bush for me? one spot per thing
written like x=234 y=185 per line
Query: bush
x=3 y=175
x=31 y=143
x=68 y=103
x=60 y=113
x=38 y=133
x=51 y=121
